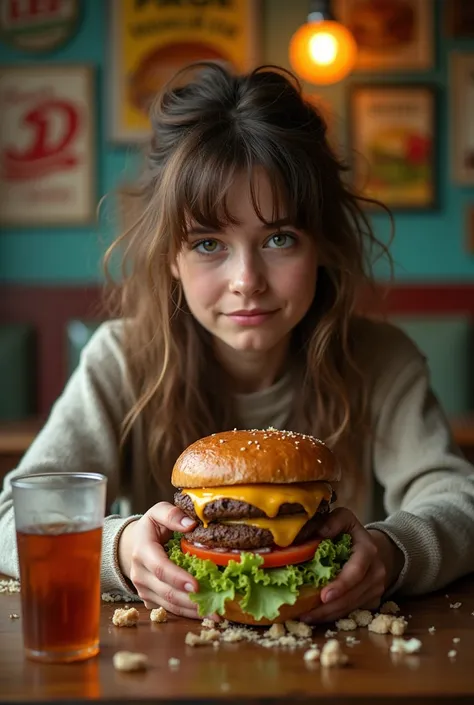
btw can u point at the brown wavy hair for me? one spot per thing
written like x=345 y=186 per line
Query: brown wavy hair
x=208 y=126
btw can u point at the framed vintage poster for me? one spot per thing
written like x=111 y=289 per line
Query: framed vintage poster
x=393 y=130
x=151 y=41
x=47 y=133
x=38 y=27
x=462 y=117
x=391 y=35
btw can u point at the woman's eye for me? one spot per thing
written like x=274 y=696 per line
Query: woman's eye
x=281 y=241
x=207 y=247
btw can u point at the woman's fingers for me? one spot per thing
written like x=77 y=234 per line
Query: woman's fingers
x=154 y=558
x=357 y=598
x=161 y=593
x=353 y=572
x=152 y=601
x=173 y=518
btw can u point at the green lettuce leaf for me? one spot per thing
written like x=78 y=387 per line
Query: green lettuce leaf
x=261 y=591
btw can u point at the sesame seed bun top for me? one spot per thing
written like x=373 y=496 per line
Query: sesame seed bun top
x=254 y=457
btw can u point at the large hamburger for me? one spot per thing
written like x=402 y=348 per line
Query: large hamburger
x=258 y=498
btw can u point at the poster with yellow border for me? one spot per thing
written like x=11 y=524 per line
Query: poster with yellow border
x=152 y=39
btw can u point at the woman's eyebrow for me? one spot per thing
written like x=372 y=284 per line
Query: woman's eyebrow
x=195 y=230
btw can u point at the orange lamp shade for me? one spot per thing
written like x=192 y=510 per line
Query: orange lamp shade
x=322 y=52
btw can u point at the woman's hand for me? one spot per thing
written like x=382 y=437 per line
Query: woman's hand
x=143 y=560
x=374 y=565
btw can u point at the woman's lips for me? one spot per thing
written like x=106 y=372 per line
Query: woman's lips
x=250 y=318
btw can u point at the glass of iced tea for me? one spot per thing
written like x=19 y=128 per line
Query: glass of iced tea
x=58 y=519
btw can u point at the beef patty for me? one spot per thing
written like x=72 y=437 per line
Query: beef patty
x=243 y=536
x=221 y=509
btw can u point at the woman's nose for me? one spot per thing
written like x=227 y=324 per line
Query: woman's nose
x=247 y=276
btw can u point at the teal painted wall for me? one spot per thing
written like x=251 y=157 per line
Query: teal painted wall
x=427 y=246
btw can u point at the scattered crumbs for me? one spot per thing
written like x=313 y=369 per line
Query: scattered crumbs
x=14 y=616
x=312 y=654
x=351 y=641
x=408 y=646
x=275 y=631
x=381 y=623
x=118 y=597
x=298 y=628
x=455 y=605
x=332 y=654
x=447 y=597
x=208 y=623
x=456 y=640
x=243 y=448
x=346 y=625
x=361 y=617
x=249 y=443
x=389 y=607
x=224 y=624
x=452 y=654
x=432 y=630
x=174 y=662
x=126 y=617
x=130 y=661
x=159 y=615
x=221 y=440
x=329 y=634
x=275 y=636
x=9 y=586
x=398 y=626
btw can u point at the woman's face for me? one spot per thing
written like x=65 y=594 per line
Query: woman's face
x=249 y=284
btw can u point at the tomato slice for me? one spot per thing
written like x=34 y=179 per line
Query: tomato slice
x=273 y=559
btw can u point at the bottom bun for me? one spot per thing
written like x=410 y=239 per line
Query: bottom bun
x=308 y=599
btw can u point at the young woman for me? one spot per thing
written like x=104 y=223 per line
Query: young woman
x=237 y=308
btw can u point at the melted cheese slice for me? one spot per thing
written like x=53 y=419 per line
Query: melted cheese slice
x=266 y=497
x=284 y=529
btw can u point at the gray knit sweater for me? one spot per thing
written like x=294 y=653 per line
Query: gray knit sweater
x=415 y=484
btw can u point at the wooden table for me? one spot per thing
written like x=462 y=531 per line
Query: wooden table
x=249 y=673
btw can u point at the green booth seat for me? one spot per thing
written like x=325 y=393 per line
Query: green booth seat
x=17 y=371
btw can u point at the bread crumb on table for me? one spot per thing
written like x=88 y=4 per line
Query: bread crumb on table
x=14 y=615
x=330 y=633
x=159 y=615
x=126 y=617
x=346 y=625
x=452 y=654
x=208 y=623
x=432 y=630
x=130 y=661
x=174 y=662
x=455 y=605
x=389 y=607
x=275 y=631
x=361 y=617
x=312 y=654
x=298 y=628
x=405 y=646
x=332 y=654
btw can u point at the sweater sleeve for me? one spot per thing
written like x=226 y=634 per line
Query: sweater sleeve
x=80 y=435
x=428 y=484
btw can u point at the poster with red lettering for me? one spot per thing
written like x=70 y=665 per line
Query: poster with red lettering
x=47 y=156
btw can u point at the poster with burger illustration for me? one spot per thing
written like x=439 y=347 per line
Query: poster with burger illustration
x=152 y=39
x=391 y=35
x=393 y=140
